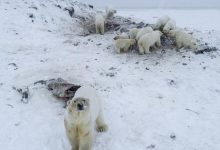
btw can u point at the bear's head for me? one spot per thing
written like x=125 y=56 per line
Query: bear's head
x=156 y=26
x=132 y=41
x=78 y=104
x=194 y=46
x=171 y=33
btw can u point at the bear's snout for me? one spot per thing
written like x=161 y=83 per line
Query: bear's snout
x=80 y=107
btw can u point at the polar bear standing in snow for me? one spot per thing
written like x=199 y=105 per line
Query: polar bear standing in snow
x=110 y=11
x=143 y=31
x=83 y=115
x=183 y=39
x=170 y=25
x=133 y=33
x=148 y=40
x=100 y=24
x=124 y=44
x=161 y=22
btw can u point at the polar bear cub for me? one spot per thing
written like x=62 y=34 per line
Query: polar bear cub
x=133 y=33
x=170 y=25
x=124 y=44
x=183 y=39
x=100 y=24
x=143 y=31
x=110 y=11
x=161 y=22
x=148 y=40
x=82 y=116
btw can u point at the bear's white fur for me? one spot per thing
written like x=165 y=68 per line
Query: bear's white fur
x=122 y=36
x=100 y=24
x=183 y=39
x=110 y=11
x=161 y=22
x=133 y=32
x=124 y=44
x=170 y=25
x=82 y=116
x=148 y=40
x=143 y=31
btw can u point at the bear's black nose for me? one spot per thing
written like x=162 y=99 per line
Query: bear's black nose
x=80 y=106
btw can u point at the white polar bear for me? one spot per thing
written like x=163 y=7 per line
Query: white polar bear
x=170 y=25
x=183 y=39
x=100 y=24
x=161 y=22
x=148 y=40
x=143 y=31
x=110 y=11
x=82 y=116
x=124 y=44
x=133 y=33
x=122 y=36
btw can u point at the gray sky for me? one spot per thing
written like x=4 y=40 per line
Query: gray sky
x=155 y=3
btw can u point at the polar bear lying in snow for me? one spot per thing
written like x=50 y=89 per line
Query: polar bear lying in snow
x=83 y=115
x=161 y=22
x=100 y=24
x=148 y=40
x=170 y=25
x=143 y=31
x=183 y=39
x=124 y=44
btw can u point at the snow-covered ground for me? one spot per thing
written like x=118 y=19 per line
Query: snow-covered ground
x=161 y=101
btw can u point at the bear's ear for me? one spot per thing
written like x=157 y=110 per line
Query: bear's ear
x=68 y=102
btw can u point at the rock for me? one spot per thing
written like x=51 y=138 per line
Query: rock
x=71 y=10
x=57 y=5
x=91 y=6
x=172 y=136
x=31 y=15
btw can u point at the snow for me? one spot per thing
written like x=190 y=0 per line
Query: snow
x=137 y=4
x=147 y=99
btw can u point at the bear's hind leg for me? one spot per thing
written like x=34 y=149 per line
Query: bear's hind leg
x=86 y=142
x=141 y=49
x=179 y=45
x=102 y=30
x=158 y=43
x=100 y=124
x=74 y=143
x=147 y=50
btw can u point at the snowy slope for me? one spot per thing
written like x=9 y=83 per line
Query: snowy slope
x=161 y=101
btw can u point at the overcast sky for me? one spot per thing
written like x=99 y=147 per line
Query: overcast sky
x=155 y=3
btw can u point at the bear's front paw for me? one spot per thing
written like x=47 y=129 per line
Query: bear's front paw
x=102 y=128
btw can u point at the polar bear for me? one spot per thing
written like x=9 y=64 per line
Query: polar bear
x=122 y=36
x=100 y=24
x=82 y=116
x=148 y=40
x=170 y=25
x=161 y=22
x=124 y=44
x=143 y=31
x=183 y=39
x=110 y=11
x=133 y=33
